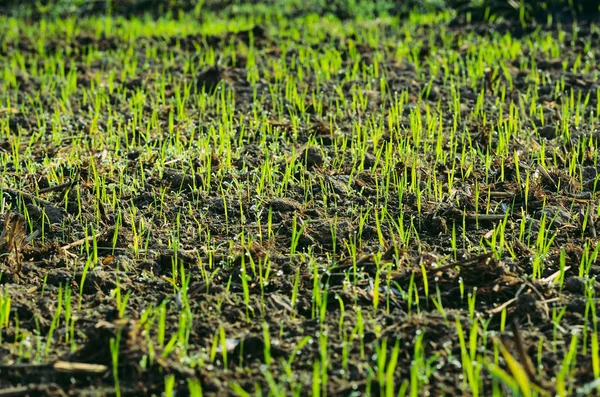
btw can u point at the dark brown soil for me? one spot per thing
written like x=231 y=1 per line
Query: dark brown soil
x=211 y=223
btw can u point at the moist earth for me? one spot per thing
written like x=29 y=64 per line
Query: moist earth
x=320 y=268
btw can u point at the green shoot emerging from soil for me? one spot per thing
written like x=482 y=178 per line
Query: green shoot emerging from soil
x=247 y=203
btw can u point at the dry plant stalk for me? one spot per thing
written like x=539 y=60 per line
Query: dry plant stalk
x=11 y=239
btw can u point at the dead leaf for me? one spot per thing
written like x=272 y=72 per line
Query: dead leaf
x=11 y=239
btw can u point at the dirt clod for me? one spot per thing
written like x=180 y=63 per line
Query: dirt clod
x=285 y=205
x=575 y=285
x=209 y=79
x=246 y=200
x=311 y=157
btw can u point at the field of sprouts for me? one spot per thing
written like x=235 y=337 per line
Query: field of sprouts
x=272 y=202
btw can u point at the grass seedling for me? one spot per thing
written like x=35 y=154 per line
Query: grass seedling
x=391 y=147
x=114 y=354
x=4 y=312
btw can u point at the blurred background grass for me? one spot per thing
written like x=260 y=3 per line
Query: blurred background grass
x=473 y=10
